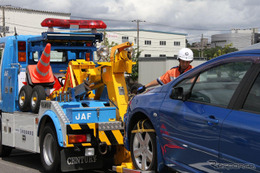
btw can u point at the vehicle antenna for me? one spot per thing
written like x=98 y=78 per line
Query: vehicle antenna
x=15 y=33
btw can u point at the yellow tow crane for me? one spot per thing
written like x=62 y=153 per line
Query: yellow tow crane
x=112 y=75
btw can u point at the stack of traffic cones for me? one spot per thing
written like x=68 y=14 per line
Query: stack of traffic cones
x=41 y=73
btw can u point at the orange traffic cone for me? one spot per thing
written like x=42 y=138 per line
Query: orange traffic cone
x=42 y=72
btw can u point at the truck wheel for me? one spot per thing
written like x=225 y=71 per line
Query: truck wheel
x=49 y=149
x=4 y=150
x=24 y=98
x=38 y=94
x=143 y=147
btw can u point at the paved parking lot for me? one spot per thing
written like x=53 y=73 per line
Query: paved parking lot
x=25 y=162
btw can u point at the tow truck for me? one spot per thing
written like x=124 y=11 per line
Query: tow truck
x=56 y=100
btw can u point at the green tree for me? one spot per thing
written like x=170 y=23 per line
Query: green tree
x=187 y=43
x=196 y=52
x=217 y=51
x=209 y=53
x=106 y=42
x=135 y=56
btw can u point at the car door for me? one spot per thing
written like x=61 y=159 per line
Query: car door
x=240 y=135
x=190 y=129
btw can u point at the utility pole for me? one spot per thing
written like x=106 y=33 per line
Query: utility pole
x=3 y=20
x=201 y=43
x=253 y=36
x=137 y=39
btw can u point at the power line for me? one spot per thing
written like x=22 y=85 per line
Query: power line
x=232 y=35
x=144 y=37
x=31 y=32
x=137 y=22
x=97 y=18
x=26 y=26
x=157 y=24
x=128 y=21
x=189 y=36
x=189 y=28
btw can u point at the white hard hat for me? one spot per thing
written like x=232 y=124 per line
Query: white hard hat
x=185 y=54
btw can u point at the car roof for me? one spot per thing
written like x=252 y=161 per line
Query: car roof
x=247 y=51
x=252 y=47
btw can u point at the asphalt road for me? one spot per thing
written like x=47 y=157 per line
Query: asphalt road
x=25 y=162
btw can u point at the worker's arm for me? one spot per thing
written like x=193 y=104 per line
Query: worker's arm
x=152 y=83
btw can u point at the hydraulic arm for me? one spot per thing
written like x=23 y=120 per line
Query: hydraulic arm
x=110 y=74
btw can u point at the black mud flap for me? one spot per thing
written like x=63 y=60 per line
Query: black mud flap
x=72 y=160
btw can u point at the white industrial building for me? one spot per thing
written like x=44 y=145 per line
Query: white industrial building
x=240 y=38
x=25 y=21
x=151 y=43
x=159 y=50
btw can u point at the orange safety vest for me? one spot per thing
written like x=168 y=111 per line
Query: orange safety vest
x=171 y=75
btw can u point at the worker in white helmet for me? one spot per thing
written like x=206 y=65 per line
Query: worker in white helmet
x=185 y=57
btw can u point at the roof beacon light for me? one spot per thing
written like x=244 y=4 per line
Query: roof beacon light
x=67 y=24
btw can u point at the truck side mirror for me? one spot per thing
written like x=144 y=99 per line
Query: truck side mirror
x=177 y=93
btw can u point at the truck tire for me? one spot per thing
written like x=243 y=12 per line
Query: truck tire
x=24 y=98
x=143 y=147
x=38 y=94
x=4 y=150
x=49 y=149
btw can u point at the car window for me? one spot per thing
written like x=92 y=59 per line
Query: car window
x=252 y=102
x=186 y=84
x=216 y=85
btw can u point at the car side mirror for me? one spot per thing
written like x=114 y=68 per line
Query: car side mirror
x=177 y=93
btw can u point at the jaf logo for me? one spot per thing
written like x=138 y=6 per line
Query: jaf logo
x=83 y=116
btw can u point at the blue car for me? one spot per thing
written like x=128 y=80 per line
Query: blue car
x=206 y=120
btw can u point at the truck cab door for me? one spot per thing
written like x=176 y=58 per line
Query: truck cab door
x=9 y=94
x=9 y=80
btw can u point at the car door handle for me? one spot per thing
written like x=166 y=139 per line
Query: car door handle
x=211 y=120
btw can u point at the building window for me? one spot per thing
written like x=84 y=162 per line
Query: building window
x=162 y=55
x=147 y=55
x=177 y=43
x=147 y=42
x=163 y=43
x=124 y=39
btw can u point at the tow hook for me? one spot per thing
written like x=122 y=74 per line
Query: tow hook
x=102 y=148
